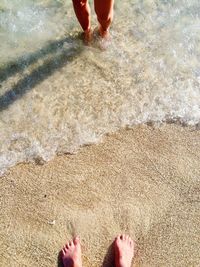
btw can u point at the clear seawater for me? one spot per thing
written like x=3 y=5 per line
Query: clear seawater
x=57 y=94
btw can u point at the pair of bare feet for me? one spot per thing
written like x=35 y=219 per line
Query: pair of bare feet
x=98 y=31
x=123 y=248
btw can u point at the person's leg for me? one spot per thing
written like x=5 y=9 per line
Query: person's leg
x=124 y=251
x=82 y=11
x=71 y=254
x=104 y=11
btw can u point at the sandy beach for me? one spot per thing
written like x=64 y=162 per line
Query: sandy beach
x=142 y=181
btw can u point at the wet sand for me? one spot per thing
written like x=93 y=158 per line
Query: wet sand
x=143 y=181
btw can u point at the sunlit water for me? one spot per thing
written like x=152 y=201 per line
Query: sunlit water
x=57 y=94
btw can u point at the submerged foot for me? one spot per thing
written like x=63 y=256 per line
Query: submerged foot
x=102 y=38
x=105 y=34
x=124 y=251
x=71 y=254
x=87 y=36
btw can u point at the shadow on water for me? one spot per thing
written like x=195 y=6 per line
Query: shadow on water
x=20 y=64
x=60 y=57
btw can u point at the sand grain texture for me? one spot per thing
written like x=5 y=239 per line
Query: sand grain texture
x=143 y=181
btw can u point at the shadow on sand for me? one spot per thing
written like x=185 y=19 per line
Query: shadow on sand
x=109 y=259
x=60 y=56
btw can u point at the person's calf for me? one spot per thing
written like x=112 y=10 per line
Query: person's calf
x=82 y=11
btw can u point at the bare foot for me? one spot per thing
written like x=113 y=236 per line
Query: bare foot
x=104 y=34
x=71 y=254
x=124 y=251
x=102 y=38
x=88 y=36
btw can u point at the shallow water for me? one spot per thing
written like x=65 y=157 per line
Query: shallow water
x=57 y=94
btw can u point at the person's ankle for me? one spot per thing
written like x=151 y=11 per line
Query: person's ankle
x=104 y=33
x=88 y=35
x=88 y=30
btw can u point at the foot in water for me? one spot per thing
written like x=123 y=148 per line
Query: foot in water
x=102 y=38
x=104 y=34
x=71 y=254
x=124 y=251
x=87 y=36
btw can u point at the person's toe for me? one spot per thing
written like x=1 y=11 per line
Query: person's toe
x=73 y=244
x=63 y=252
x=118 y=237
x=123 y=237
x=131 y=242
x=76 y=240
